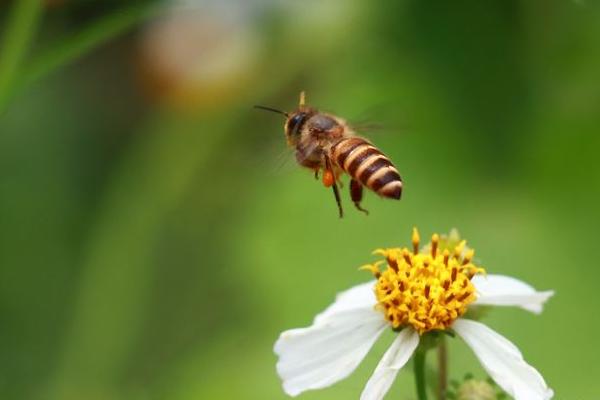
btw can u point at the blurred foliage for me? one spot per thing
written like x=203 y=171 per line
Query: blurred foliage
x=152 y=247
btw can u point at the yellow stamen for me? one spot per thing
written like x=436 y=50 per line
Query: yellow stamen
x=381 y=252
x=415 y=240
x=446 y=257
x=406 y=256
x=468 y=257
x=459 y=249
x=435 y=241
x=392 y=263
x=425 y=290
x=373 y=268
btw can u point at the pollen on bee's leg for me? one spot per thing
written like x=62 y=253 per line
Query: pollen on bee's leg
x=328 y=178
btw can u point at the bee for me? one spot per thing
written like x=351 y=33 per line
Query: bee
x=325 y=142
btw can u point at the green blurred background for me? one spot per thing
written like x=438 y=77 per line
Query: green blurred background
x=152 y=245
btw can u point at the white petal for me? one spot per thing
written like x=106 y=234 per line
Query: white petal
x=358 y=297
x=393 y=360
x=500 y=290
x=330 y=349
x=503 y=361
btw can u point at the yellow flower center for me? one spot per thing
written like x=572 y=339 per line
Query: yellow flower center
x=427 y=289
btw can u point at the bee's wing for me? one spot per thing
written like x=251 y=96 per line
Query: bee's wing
x=381 y=119
x=368 y=127
x=283 y=160
x=279 y=157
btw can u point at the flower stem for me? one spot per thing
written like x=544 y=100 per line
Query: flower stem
x=442 y=368
x=419 y=366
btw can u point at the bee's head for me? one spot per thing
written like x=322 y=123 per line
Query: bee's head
x=294 y=120
x=294 y=124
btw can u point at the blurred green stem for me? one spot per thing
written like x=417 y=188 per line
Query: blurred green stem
x=21 y=26
x=20 y=31
x=419 y=367
x=442 y=368
x=87 y=39
x=117 y=270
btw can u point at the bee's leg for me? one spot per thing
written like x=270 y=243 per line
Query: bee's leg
x=356 y=192
x=329 y=179
x=338 y=200
x=317 y=173
x=339 y=182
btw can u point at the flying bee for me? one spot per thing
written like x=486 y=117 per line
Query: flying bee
x=325 y=142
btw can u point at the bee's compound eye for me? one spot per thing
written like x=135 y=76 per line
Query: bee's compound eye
x=295 y=123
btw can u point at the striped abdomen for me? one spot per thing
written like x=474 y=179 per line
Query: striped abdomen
x=366 y=164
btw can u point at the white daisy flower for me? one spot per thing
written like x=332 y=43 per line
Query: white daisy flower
x=419 y=292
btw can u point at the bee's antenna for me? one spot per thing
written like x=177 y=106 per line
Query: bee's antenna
x=271 y=109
